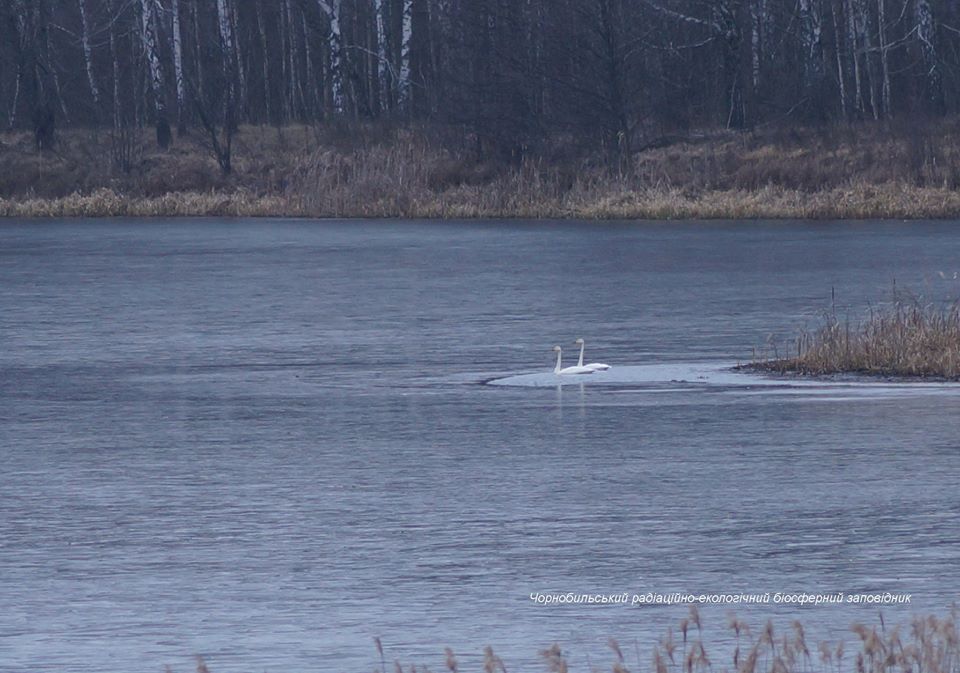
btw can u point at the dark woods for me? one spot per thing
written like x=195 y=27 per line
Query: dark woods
x=508 y=77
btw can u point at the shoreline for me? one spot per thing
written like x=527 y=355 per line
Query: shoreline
x=857 y=172
x=789 y=369
x=860 y=203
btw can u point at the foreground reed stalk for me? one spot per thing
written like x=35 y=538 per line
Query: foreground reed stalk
x=904 y=339
x=928 y=644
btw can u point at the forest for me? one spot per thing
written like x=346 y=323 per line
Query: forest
x=500 y=81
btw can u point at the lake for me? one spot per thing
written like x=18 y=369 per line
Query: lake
x=268 y=442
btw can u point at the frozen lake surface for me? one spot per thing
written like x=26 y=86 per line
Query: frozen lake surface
x=269 y=442
x=706 y=376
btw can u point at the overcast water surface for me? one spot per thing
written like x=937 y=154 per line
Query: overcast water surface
x=268 y=442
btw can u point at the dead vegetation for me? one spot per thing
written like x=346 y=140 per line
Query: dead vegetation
x=928 y=644
x=906 y=338
x=864 y=171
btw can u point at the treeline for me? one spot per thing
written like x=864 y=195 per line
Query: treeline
x=509 y=75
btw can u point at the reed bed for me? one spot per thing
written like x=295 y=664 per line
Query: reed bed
x=928 y=644
x=503 y=200
x=866 y=171
x=907 y=338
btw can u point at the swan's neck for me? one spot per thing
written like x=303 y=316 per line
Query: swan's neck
x=557 y=368
x=580 y=361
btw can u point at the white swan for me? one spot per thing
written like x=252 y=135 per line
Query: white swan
x=593 y=366
x=568 y=370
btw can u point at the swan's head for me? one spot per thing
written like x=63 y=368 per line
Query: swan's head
x=579 y=342
x=556 y=349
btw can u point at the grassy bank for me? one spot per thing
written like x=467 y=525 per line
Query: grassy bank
x=907 y=338
x=865 y=171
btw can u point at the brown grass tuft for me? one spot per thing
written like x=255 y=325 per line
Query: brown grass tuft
x=933 y=647
x=554 y=659
x=907 y=338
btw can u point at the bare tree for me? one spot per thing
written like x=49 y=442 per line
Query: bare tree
x=506 y=77
x=382 y=62
x=927 y=39
x=335 y=43
x=178 y=65
x=88 y=52
x=150 y=47
x=406 y=42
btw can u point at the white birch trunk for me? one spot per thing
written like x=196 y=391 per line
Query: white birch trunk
x=812 y=33
x=926 y=35
x=853 y=37
x=178 y=62
x=21 y=38
x=841 y=75
x=403 y=93
x=382 y=63
x=149 y=38
x=755 y=42
x=884 y=57
x=335 y=42
x=88 y=52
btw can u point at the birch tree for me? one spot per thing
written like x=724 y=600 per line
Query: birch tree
x=812 y=50
x=926 y=37
x=854 y=40
x=18 y=22
x=724 y=27
x=507 y=74
x=757 y=11
x=861 y=19
x=88 y=52
x=48 y=62
x=149 y=40
x=382 y=62
x=227 y=60
x=838 y=53
x=198 y=51
x=115 y=66
x=884 y=57
x=335 y=45
x=406 y=43
x=178 y=65
x=238 y=57
x=265 y=61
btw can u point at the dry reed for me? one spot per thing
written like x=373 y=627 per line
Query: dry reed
x=867 y=171
x=931 y=644
x=907 y=338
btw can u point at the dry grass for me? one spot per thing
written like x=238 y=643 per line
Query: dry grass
x=928 y=645
x=504 y=200
x=868 y=171
x=907 y=338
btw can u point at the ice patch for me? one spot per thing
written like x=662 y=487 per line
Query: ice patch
x=721 y=376
x=684 y=374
